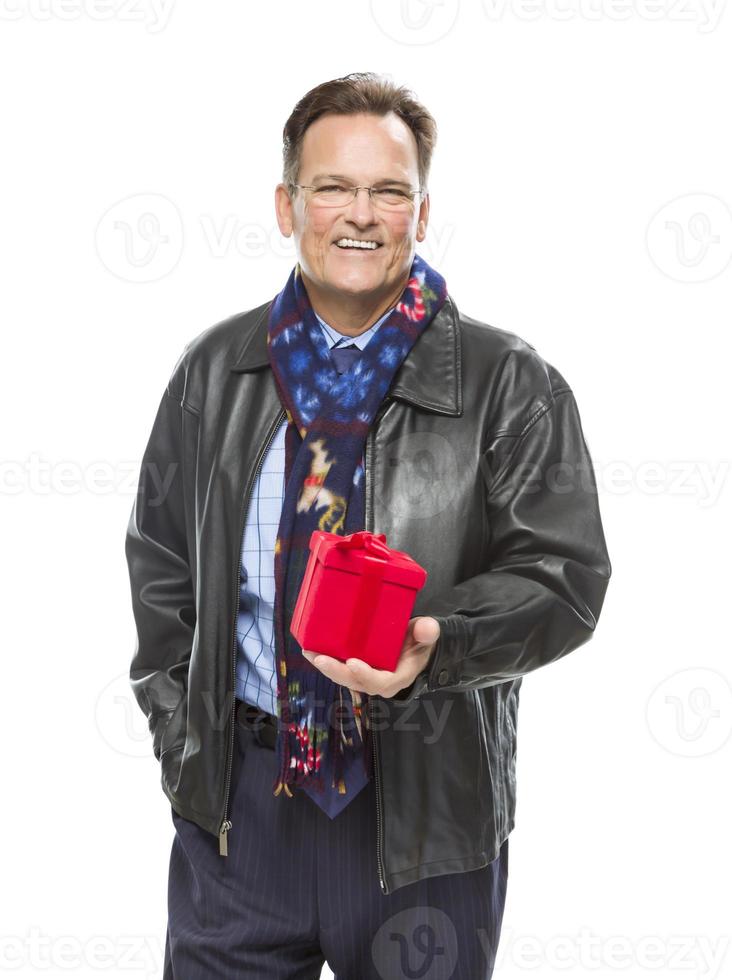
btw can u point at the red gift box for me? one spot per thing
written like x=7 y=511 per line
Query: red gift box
x=356 y=598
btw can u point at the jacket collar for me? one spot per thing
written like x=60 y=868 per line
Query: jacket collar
x=429 y=376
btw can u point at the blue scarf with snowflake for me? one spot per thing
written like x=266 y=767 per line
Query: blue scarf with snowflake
x=328 y=418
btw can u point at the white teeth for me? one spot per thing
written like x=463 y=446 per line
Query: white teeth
x=353 y=243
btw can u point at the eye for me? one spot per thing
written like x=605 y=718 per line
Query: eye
x=391 y=192
x=330 y=187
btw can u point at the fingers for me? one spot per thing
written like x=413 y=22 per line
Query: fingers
x=358 y=676
x=355 y=674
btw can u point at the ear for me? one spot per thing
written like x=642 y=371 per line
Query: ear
x=424 y=214
x=283 y=210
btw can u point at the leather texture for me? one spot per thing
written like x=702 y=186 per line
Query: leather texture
x=477 y=466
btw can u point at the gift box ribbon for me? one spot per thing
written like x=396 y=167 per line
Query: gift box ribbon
x=367 y=597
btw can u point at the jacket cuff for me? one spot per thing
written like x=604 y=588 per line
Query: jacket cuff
x=442 y=668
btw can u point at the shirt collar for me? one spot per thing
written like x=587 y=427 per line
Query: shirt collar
x=333 y=336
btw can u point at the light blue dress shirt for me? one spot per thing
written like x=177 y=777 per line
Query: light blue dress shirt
x=255 y=661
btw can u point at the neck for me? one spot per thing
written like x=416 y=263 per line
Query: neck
x=350 y=315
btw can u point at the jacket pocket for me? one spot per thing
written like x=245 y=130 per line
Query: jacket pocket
x=487 y=778
x=493 y=789
x=500 y=740
x=172 y=734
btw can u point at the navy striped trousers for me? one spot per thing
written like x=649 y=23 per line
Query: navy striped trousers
x=298 y=889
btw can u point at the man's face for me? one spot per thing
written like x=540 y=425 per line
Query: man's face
x=362 y=149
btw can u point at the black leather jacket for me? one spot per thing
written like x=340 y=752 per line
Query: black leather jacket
x=477 y=466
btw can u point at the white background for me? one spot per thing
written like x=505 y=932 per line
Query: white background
x=580 y=197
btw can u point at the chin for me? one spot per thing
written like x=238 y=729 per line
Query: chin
x=355 y=283
x=356 y=289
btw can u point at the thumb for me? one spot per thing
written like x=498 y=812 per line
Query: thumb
x=425 y=629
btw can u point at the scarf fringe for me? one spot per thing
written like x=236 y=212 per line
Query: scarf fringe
x=308 y=730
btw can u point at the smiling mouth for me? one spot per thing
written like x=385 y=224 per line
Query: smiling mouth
x=350 y=245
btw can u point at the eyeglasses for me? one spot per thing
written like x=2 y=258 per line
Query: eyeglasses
x=339 y=195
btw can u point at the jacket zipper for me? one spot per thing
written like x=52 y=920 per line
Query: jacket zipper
x=368 y=525
x=225 y=822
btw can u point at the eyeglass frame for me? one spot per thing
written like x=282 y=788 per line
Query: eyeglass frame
x=356 y=188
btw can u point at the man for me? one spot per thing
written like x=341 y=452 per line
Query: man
x=359 y=399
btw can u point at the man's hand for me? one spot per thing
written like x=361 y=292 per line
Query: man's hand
x=420 y=639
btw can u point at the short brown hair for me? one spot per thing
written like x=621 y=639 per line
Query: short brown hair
x=358 y=92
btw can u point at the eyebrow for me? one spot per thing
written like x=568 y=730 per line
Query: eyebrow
x=383 y=180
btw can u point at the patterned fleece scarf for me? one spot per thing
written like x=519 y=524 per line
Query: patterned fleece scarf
x=328 y=419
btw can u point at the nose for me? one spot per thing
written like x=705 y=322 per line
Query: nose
x=361 y=209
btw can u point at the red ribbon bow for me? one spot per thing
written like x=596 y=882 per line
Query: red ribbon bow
x=375 y=544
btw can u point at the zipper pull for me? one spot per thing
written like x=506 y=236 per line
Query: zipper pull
x=223 y=838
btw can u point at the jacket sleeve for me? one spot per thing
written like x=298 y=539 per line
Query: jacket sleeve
x=547 y=563
x=163 y=601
